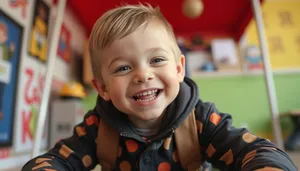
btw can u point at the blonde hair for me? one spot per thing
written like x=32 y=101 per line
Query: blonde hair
x=120 y=22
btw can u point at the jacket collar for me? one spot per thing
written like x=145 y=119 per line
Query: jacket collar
x=176 y=112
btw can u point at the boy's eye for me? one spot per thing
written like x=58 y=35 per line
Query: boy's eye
x=157 y=60
x=122 y=68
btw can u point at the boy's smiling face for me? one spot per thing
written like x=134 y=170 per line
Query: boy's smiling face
x=140 y=73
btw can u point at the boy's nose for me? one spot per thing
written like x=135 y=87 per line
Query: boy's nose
x=143 y=77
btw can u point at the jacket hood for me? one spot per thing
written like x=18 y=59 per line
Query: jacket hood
x=175 y=113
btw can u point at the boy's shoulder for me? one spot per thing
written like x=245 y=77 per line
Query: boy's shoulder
x=204 y=106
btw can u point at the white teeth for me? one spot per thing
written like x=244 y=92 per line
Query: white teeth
x=146 y=100
x=146 y=93
x=146 y=96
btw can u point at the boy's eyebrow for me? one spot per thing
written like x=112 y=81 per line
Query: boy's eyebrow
x=151 y=50
x=154 y=49
x=112 y=61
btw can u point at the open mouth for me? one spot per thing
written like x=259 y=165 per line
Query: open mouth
x=148 y=95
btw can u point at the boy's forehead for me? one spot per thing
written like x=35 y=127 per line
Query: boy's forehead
x=147 y=36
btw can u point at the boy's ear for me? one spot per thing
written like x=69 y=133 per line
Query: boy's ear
x=101 y=89
x=181 y=68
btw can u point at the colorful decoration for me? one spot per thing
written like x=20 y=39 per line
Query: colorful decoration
x=279 y=17
x=19 y=3
x=208 y=66
x=32 y=85
x=253 y=58
x=64 y=47
x=10 y=47
x=72 y=89
x=192 y=8
x=38 y=43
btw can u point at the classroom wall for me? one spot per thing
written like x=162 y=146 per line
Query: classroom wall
x=282 y=27
x=245 y=98
x=31 y=73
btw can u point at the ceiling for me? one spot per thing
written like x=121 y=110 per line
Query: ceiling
x=219 y=18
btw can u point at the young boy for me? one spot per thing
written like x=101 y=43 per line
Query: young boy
x=145 y=98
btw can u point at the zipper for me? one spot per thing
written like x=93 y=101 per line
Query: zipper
x=162 y=135
x=133 y=136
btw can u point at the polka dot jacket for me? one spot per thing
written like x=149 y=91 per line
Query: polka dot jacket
x=221 y=144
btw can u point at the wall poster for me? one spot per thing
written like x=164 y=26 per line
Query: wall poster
x=38 y=41
x=11 y=34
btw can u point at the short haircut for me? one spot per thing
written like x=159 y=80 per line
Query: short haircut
x=120 y=22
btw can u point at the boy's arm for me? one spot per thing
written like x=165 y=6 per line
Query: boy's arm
x=76 y=153
x=229 y=148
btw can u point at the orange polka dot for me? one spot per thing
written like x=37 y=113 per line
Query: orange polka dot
x=44 y=164
x=80 y=131
x=175 y=156
x=120 y=152
x=92 y=120
x=199 y=126
x=269 y=169
x=87 y=160
x=132 y=146
x=65 y=151
x=210 y=150
x=248 y=157
x=215 y=118
x=125 y=166
x=269 y=148
x=164 y=166
x=167 y=143
x=227 y=157
x=249 y=138
x=40 y=160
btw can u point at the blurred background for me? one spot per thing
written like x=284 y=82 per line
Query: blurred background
x=219 y=39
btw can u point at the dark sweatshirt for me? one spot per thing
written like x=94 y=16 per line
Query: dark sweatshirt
x=221 y=144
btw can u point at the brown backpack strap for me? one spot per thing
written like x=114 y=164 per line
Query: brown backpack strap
x=187 y=143
x=107 y=146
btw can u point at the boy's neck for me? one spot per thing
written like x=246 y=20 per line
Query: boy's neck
x=142 y=124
